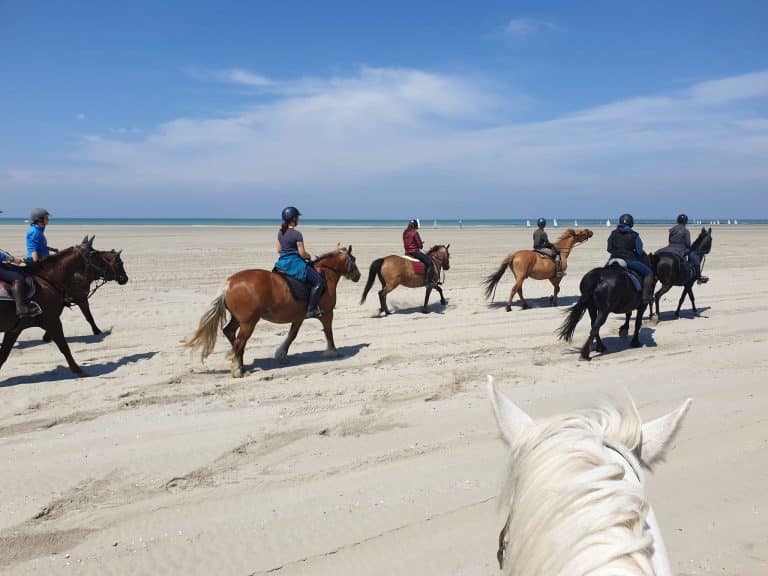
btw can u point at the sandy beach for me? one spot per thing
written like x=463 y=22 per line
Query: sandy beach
x=386 y=461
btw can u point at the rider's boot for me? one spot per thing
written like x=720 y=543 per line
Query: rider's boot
x=313 y=311
x=648 y=282
x=702 y=280
x=429 y=279
x=18 y=295
x=559 y=267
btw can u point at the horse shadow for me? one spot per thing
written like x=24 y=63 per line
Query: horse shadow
x=543 y=302
x=86 y=339
x=433 y=308
x=63 y=373
x=685 y=313
x=302 y=358
x=617 y=343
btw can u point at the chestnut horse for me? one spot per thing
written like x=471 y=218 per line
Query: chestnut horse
x=52 y=278
x=395 y=270
x=251 y=295
x=531 y=264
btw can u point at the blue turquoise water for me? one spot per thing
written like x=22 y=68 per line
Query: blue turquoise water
x=365 y=223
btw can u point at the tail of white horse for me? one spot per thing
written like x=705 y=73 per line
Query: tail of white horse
x=210 y=323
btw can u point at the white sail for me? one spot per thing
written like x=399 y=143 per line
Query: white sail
x=608 y=223
x=575 y=223
x=528 y=223
x=554 y=220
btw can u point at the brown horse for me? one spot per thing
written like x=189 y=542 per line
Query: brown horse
x=252 y=295
x=79 y=290
x=531 y=264
x=395 y=270
x=51 y=277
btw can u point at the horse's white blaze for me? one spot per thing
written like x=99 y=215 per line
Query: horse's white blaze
x=575 y=491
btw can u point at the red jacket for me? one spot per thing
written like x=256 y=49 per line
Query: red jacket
x=412 y=241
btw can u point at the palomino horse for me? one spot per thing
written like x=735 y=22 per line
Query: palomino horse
x=395 y=270
x=575 y=491
x=79 y=290
x=670 y=271
x=531 y=264
x=251 y=295
x=604 y=290
x=52 y=277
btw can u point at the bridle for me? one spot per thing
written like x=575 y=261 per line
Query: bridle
x=347 y=257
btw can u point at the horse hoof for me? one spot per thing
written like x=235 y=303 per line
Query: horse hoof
x=586 y=358
x=635 y=344
x=509 y=308
x=601 y=349
x=96 y=332
x=677 y=315
x=281 y=356
x=81 y=374
x=46 y=338
x=332 y=354
x=237 y=373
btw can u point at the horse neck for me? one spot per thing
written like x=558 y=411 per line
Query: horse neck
x=437 y=259
x=334 y=274
x=63 y=269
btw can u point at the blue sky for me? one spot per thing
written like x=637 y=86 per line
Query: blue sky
x=481 y=109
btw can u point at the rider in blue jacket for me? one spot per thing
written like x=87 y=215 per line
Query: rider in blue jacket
x=626 y=244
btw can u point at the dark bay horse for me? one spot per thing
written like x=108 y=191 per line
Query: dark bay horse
x=79 y=289
x=51 y=278
x=252 y=295
x=671 y=270
x=604 y=290
x=395 y=270
x=531 y=264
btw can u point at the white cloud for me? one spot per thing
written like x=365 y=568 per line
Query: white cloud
x=414 y=137
x=524 y=28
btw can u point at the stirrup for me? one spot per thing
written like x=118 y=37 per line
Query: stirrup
x=33 y=309
x=702 y=280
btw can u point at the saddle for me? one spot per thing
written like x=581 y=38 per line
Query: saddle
x=299 y=290
x=634 y=277
x=29 y=292
x=541 y=252
x=416 y=265
x=684 y=265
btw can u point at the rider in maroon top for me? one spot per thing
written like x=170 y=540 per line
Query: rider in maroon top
x=413 y=245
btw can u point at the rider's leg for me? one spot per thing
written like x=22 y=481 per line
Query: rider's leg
x=18 y=288
x=428 y=266
x=558 y=265
x=318 y=285
x=694 y=258
x=647 y=275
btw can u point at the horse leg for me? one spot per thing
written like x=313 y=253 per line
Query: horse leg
x=327 y=321
x=57 y=334
x=442 y=298
x=9 y=339
x=664 y=289
x=281 y=354
x=624 y=328
x=599 y=346
x=556 y=285
x=680 y=303
x=238 y=348
x=594 y=333
x=86 y=310
x=426 y=298
x=693 y=301
x=383 y=299
x=516 y=289
x=635 y=343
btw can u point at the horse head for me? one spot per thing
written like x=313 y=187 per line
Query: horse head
x=113 y=267
x=572 y=480
x=342 y=262
x=440 y=253
x=703 y=244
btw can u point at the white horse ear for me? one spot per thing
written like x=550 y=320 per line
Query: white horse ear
x=513 y=422
x=660 y=433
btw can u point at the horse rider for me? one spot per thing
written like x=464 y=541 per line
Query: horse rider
x=37 y=245
x=680 y=245
x=412 y=245
x=542 y=244
x=16 y=281
x=294 y=260
x=625 y=243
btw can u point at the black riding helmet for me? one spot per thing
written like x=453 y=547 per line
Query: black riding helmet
x=627 y=220
x=541 y=222
x=682 y=219
x=290 y=213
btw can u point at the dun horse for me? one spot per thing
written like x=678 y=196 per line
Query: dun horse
x=575 y=491
x=252 y=295
x=52 y=277
x=395 y=270
x=671 y=271
x=531 y=264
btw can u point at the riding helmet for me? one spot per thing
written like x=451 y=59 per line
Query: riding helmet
x=38 y=214
x=414 y=223
x=627 y=220
x=682 y=219
x=290 y=213
x=541 y=222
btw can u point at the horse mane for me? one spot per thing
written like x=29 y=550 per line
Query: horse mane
x=327 y=255
x=566 y=234
x=696 y=243
x=434 y=249
x=571 y=509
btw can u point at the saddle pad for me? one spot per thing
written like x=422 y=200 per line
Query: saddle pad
x=417 y=266
x=5 y=291
x=299 y=290
x=636 y=281
x=545 y=255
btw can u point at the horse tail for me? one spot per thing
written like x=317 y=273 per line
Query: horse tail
x=575 y=312
x=210 y=322
x=491 y=281
x=374 y=271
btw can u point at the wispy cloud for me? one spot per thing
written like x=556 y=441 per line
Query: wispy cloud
x=427 y=139
x=525 y=28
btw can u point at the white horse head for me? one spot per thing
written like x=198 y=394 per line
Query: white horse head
x=575 y=493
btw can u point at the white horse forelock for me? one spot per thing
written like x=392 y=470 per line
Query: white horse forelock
x=577 y=507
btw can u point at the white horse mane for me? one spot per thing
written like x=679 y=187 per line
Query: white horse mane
x=575 y=494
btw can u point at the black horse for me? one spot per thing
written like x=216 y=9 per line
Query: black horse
x=604 y=290
x=671 y=270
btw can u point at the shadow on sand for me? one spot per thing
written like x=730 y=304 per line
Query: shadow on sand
x=63 y=373
x=619 y=343
x=302 y=358
x=562 y=302
x=686 y=314
x=87 y=339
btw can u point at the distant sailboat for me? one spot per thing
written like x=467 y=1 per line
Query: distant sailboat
x=729 y=221
x=434 y=224
x=528 y=223
x=718 y=222
x=575 y=223
x=554 y=220
x=735 y=221
x=608 y=223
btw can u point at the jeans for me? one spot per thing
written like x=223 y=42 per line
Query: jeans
x=638 y=267
x=314 y=277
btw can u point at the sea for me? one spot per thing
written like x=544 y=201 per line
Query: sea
x=379 y=223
